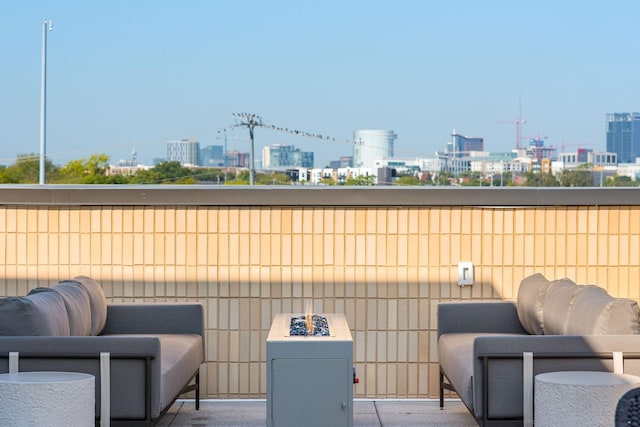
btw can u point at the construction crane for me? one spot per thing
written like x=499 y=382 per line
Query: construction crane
x=519 y=122
x=251 y=121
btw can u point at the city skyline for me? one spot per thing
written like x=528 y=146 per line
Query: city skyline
x=138 y=74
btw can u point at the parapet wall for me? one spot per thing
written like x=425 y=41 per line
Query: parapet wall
x=383 y=256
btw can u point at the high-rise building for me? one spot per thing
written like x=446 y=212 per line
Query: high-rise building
x=372 y=145
x=342 y=162
x=185 y=151
x=212 y=155
x=462 y=145
x=282 y=156
x=236 y=159
x=623 y=136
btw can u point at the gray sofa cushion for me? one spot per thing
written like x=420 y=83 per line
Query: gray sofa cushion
x=97 y=301
x=557 y=305
x=455 y=354
x=180 y=358
x=594 y=312
x=530 y=303
x=76 y=301
x=40 y=314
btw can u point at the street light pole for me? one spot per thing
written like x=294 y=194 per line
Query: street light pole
x=43 y=99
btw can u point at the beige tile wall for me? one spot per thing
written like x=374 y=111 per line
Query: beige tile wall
x=386 y=268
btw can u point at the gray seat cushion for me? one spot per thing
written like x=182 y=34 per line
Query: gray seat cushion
x=40 y=314
x=76 y=301
x=97 y=301
x=180 y=358
x=455 y=353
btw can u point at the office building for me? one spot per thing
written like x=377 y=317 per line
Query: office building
x=212 y=155
x=461 y=146
x=342 y=162
x=236 y=159
x=623 y=136
x=283 y=156
x=579 y=157
x=185 y=151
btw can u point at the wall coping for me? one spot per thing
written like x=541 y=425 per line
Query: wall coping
x=200 y=195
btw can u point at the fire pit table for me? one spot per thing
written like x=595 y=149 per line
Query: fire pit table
x=310 y=373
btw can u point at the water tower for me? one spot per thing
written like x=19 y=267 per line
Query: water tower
x=372 y=145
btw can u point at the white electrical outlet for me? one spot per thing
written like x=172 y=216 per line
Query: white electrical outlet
x=465 y=273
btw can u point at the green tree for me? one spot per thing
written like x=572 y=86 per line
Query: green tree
x=241 y=178
x=503 y=179
x=473 y=179
x=165 y=173
x=327 y=180
x=214 y=175
x=91 y=171
x=26 y=170
x=540 y=179
x=274 y=178
x=443 y=178
x=579 y=177
x=361 y=180
x=426 y=178
x=407 y=180
x=621 y=181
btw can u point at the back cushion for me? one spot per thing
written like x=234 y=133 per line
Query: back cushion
x=588 y=302
x=40 y=314
x=531 y=302
x=76 y=301
x=557 y=305
x=97 y=301
x=594 y=312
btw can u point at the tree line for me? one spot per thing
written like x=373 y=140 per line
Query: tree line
x=95 y=170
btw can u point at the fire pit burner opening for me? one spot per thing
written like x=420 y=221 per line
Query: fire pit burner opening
x=309 y=325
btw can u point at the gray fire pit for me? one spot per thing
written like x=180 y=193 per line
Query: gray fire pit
x=310 y=377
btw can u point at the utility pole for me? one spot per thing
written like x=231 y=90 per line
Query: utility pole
x=43 y=99
x=250 y=121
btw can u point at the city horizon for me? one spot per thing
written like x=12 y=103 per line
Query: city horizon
x=124 y=75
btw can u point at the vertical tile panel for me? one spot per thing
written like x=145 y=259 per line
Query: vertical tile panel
x=386 y=268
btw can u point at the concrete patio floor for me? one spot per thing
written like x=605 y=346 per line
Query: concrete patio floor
x=366 y=413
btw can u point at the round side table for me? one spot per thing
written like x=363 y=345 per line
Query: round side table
x=62 y=399
x=579 y=398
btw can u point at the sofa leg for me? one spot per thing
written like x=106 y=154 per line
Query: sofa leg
x=198 y=390
x=441 y=390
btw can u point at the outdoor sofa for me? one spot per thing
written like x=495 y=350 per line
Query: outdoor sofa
x=566 y=327
x=155 y=350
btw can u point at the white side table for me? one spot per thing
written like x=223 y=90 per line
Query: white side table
x=579 y=398
x=62 y=399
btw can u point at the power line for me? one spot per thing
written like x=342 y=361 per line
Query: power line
x=251 y=121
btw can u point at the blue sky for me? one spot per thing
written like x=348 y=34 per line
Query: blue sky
x=137 y=73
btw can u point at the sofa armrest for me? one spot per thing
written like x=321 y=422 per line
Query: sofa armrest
x=485 y=316
x=91 y=347
x=561 y=345
x=499 y=359
x=154 y=319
